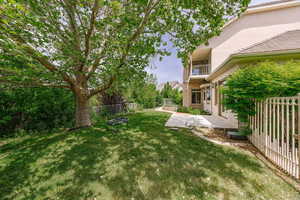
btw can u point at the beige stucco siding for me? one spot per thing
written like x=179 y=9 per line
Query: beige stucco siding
x=251 y=29
x=187 y=93
x=228 y=114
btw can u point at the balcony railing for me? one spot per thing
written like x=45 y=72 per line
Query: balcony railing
x=203 y=69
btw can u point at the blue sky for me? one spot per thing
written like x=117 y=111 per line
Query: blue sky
x=170 y=68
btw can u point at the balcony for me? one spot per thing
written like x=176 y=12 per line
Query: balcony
x=200 y=71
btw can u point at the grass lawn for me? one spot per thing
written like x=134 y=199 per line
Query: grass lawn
x=142 y=161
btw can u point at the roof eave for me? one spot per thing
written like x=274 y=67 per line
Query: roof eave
x=234 y=58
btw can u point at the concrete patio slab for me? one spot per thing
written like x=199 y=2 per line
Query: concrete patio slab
x=182 y=120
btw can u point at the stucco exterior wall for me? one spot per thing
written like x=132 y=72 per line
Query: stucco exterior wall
x=187 y=95
x=227 y=114
x=251 y=29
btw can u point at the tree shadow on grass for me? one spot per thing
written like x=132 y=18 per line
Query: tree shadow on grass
x=142 y=161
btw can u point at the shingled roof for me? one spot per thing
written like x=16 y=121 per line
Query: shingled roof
x=289 y=40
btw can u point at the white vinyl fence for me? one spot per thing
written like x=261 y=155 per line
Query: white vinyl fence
x=276 y=131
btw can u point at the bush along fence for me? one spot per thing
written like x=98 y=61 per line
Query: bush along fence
x=116 y=108
x=276 y=132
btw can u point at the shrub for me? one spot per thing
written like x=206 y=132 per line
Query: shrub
x=183 y=109
x=190 y=110
x=35 y=109
x=260 y=81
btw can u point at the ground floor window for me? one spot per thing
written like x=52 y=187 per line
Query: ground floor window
x=196 y=96
x=219 y=97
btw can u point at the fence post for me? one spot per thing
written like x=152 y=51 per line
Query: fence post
x=298 y=135
x=265 y=130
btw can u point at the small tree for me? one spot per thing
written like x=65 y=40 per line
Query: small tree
x=143 y=91
x=86 y=46
x=166 y=92
x=172 y=93
x=260 y=81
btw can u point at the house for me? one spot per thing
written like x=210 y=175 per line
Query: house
x=269 y=31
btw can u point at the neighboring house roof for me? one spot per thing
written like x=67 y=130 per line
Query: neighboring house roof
x=285 y=43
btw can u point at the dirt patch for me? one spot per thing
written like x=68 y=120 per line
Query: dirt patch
x=219 y=135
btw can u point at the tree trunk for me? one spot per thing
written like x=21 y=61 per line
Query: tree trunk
x=82 y=114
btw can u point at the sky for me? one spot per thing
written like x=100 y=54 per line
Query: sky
x=170 y=68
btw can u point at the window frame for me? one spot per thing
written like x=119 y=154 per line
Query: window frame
x=197 y=91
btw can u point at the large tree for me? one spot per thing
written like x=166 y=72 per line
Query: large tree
x=86 y=45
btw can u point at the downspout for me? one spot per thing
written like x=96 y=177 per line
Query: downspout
x=211 y=99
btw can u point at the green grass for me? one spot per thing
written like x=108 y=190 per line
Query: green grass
x=142 y=161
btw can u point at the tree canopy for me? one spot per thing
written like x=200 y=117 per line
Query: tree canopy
x=87 y=45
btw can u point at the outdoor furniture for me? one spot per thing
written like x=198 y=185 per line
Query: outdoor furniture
x=117 y=121
x=114 y=124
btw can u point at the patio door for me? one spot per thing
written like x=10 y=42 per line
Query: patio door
x=221 y=108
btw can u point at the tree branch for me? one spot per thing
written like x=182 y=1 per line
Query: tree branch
x=135 y=35
x=97 y=61
x=39 y=57
x=138 y=31
x=33 y=84
x=103 y=88
x=6 y=72
x=70 y=10
x=94 y=14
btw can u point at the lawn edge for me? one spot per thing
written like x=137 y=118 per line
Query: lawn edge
x=278 y=172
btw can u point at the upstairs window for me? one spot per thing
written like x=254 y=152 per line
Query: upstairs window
x=196 y=96
x=200 y=68
x=196 y=70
